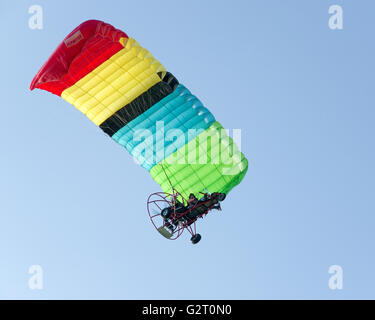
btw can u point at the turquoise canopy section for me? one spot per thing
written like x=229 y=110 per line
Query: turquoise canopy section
x=172 y=122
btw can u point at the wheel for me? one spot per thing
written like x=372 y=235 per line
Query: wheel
x=196 y=238
x=166 y=212
x=221 y=196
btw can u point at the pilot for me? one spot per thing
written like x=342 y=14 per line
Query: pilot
x=192 y=201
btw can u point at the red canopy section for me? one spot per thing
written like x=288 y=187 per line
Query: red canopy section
x=84 y=49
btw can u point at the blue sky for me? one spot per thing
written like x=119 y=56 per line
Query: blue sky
x=303 y=96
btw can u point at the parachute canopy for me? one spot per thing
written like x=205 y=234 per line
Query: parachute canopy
x=130 y=95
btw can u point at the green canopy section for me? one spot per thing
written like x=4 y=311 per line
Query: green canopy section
x=210 y=162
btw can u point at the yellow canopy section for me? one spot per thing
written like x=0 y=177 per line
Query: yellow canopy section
x=115 y=83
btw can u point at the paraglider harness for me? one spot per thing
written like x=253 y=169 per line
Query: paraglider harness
x=195 y=209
